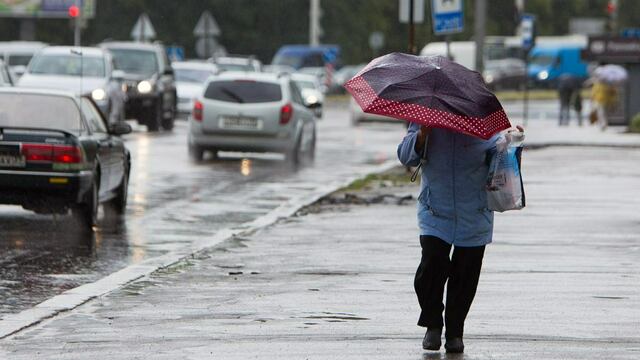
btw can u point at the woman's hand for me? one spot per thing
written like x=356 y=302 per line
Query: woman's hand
x=422 y=138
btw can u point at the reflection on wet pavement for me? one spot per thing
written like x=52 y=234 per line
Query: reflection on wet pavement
x=172 y=204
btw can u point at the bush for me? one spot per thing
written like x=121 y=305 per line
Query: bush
x=635 y=124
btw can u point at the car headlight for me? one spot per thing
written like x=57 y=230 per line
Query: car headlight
x=144 y=87
x=98 y=94
x=543 y=75
x=312 y=99
x=488 y=78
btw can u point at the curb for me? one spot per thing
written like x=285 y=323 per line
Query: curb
x=12 y=324
x=535 y=146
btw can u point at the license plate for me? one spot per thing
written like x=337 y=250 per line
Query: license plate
x=12 y=161
x=240 y=123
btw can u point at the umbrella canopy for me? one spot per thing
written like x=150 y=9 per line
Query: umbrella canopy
x=429 y=90
x=611 y=74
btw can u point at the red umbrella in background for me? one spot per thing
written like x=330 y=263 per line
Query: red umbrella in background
x=429 y=90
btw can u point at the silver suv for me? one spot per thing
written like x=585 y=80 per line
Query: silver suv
x=255 y=112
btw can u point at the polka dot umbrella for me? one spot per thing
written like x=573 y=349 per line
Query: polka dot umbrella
x=429 y=90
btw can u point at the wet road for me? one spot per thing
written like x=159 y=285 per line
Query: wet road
x=172 y=204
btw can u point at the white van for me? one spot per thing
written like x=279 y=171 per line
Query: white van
x=463 y=52
x=17 y=54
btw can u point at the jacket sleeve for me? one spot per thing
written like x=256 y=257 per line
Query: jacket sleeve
x=406 y=149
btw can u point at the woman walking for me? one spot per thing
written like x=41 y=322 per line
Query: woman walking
x=452 y=212
x=433 y=91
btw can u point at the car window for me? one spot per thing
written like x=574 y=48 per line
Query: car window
x=192 y=75
x=16 y=60
x=69 y=65
x=243 y=91
x=295 y=93
x=141 y=62
x=94 y=119
x=51 y=112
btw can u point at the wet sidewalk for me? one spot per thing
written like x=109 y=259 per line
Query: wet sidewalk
x=335 y=282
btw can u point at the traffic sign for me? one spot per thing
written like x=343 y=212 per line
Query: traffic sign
x=376 y=40
x=448 y=16
x=175 y=53
x=143 y=29
x=206 y=26
x=206 y=47
x=418 y=11
x=631 y=33
x=527 y=31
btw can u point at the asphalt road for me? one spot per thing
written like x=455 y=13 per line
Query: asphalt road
x=173 y=202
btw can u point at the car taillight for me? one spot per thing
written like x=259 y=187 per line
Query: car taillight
x=37 y=152
x=286 y=112
x=197 y=111
x=64 y=154
x=67 y=154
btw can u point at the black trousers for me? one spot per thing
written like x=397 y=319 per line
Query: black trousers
x=463 y=273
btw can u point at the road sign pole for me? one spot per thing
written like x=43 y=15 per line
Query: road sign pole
x=412 y=28
x=206 y=39
x=77 y=22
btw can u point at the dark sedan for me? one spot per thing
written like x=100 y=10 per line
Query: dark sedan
x=58 y=154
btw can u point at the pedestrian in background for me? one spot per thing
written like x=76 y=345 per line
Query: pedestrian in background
x=569 y=94
x=452 y=212
x=604 y=98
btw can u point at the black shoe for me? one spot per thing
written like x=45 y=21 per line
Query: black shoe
x=432 y=339
x=454 y=345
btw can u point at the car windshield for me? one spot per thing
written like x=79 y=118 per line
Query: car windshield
x=16 y=60
x=304 y=84
x=235 y=67
x=68 y=65
x=133 y=61
x=192 y=75
x=542 y=60
x=243 y=91
x=52 y=112
x=288 y=60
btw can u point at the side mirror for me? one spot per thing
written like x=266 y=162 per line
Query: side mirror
x=117 y=75
x=119 y=128
x=19 y=70
x=168 y=71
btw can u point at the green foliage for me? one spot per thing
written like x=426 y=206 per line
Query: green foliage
x=634 y=126
x=260 y=27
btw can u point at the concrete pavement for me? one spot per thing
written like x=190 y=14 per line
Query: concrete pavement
x=559 y=282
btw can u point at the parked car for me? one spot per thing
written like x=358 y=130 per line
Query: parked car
x=278 y=69
x=548 y=62
x=343 y=75
x=82 y=70
x=237 y=63
x=311 y=91
x=149 y=78
x=60 y=154
x=17 y=54
x=190 y=79
x=257 y=112
x=358 y=116
x=510 y=73
x=6 y=79
x=300 y=56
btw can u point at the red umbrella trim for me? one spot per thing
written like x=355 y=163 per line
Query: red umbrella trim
x=369 y=101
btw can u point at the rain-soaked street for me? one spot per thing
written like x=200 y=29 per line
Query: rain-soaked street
x=173 y=203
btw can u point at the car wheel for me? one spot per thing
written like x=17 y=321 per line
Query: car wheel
x=293 y=156
x=119 y=203
x=167 y=122
x=87 y=212
x=311 y=151
x=196 y=153
x=154 y=117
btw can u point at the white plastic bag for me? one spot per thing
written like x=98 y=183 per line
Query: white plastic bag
x=505 y=190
